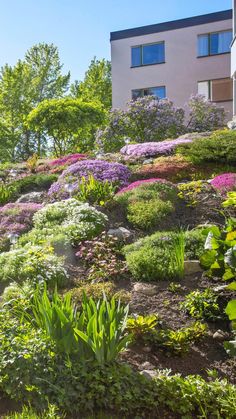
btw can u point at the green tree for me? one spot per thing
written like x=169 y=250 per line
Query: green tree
x=15 y=103
x=96 y=85
x=22 y=88
x=68 y=123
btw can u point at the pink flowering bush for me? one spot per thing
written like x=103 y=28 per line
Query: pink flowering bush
x=16 y=219
x=153 y=149
x=225 y=182
x=136 y=184
x=116 y=173
x=67 y=160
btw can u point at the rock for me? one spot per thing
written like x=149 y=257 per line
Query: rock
x=232 y=124
x=220 y=335
x=192 y=267
x=120 y=233
x=148 y=366
x=147 y=349
x=150 y=374
x=36 y=197
x=148 y=161
x=146 y=289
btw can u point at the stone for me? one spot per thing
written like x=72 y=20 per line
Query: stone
x=150 y=374
x=232 y=124
x=148 y=161
x=220 y=335
x=192 y=267
x=148 y=366
x=146 y=289
x=121 y=233
x=147 y=349
x=35 y=197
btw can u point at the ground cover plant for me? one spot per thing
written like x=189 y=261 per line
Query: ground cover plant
x=67 y=221
x=15 y=219
x=118 y=298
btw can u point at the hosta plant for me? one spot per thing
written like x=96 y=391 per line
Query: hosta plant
x=231 y=313
x=219 y=258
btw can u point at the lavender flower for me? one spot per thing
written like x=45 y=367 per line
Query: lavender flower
x=152 y=149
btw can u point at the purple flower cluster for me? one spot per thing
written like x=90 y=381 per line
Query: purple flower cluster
x=153 y=148
x=17 y=218
x=225 y=182
x=101 y=170
x=141 y=182
x=67 y=160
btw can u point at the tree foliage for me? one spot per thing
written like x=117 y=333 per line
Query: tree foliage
x=69 y=123
x=96 y=85
x=22 y=87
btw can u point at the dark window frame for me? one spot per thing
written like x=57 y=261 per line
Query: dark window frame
x=141 y=46
x=146 y=88
x=208 y=34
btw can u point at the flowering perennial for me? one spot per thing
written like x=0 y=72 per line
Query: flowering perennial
x=16 y=218
x=152 y=149
x=116 y=173
x=225 y=182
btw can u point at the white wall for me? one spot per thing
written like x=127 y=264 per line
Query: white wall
x=179 y=74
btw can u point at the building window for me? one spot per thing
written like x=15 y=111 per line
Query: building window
x=148 y=54
x=218 y=90
x=214 y=43
x=158 y=92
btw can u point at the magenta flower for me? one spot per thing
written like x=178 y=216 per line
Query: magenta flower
x=17 y=218
x=225 y=182
x=141 y=182
x=67 y=160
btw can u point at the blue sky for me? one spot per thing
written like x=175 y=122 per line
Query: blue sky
x=81 y=28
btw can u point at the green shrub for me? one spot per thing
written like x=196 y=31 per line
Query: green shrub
x=231 y=200
x=97 y=290
x=220 y=147
x=6 y=192
x=155 y=258
x=147 y=204
x=32 y=263
x=31 y=371
x=202 y=305
x=147 y=215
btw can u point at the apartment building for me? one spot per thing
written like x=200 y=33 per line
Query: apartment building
x=175 y=60
x=233 y=57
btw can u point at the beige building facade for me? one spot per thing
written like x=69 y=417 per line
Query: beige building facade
x=175 y=60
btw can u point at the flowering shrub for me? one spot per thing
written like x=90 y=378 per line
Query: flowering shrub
x=136 y=184
x=225 y=182
x=204 y=115
x=146 y=117
x=16 y=219
x=154 y=148
x=70 y=219
x=102 y=258
x=33 y=263
x=67 y=160
x=172 y=168
x=116 y=173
